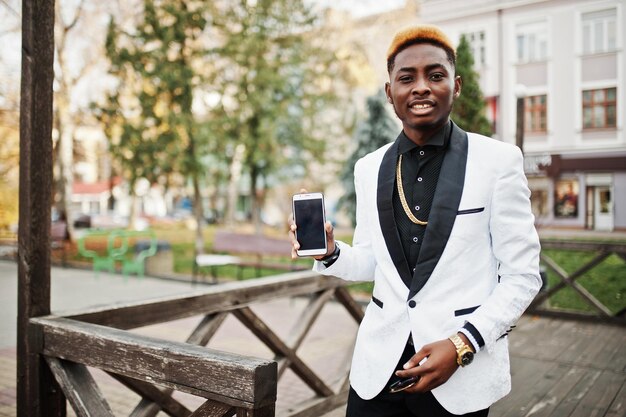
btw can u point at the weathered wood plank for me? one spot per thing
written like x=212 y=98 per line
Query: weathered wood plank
x=213 y=409
x=553 y=397
x=229 y=378
x=530 y=372
x=220 y=298
x=578 y=339
x=200 y=336
x=37 y=391
x=571 y=401
x=343 y=296
x=618 y=407
x=542 y=344
x=80 y=388
x=268 y=411
x=600 y=349
x=271 y=339
x=162 y=400
x=206 y=329
x=600 y=396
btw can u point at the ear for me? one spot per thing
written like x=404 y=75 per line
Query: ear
x=388 y=92
x=457 y=86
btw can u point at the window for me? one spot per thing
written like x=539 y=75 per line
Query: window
x=532 y=42
x=476 y=42
x=535 y=113
x=599 y=31
x=566 y=198
x=600 y=108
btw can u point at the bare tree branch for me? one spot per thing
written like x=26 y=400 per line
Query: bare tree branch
x=79 y=11
x=11 y=9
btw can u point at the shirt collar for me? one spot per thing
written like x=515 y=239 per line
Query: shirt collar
x=438 y=140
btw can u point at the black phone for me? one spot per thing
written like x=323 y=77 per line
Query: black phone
x=310 y=217
x=403 y=384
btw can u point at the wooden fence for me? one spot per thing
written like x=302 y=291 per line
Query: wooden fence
x=601 y=313
x=153 y=368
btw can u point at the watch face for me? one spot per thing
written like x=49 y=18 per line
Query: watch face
x=467 y=358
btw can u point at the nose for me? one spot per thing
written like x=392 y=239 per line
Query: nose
x=421 y=86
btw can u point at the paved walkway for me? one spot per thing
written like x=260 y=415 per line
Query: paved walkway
x=559 y=368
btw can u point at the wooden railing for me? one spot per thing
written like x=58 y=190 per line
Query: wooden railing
x=601 y=313
x=153 y=368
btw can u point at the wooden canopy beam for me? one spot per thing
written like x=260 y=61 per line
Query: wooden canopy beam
x=38 y=394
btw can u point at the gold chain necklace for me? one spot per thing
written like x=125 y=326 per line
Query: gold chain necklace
x=405 y=205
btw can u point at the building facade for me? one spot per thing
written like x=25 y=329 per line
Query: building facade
x=565 y=59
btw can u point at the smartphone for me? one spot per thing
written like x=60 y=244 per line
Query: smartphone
x=310 y=217
x=403 y=384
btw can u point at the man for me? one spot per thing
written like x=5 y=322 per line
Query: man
x=445 y=231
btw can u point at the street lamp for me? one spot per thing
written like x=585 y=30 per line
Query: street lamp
x=520 y=94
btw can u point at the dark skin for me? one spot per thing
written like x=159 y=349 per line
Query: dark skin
x=422 y=88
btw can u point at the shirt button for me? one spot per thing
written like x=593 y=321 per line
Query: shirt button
x=421 y=153
x=415 y=239
x=417 y=208
x=412 y=303
x=419 y=179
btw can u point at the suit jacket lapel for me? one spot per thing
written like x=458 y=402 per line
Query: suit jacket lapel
x=386 y=183
x=444 y=209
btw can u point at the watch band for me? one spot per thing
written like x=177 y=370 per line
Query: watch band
x=330 y=259
x=464 y=354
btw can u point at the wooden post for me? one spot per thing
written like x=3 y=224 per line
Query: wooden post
x=38 y=394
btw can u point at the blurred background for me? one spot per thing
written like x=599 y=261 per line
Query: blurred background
x=181 y=114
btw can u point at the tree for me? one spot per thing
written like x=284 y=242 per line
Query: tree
x=273 y=82
x=152 y=128
x=378 y=129
x=469 y=109
x=72 y=39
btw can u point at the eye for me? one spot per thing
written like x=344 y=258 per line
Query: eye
x=438 y=76
x=405 y=79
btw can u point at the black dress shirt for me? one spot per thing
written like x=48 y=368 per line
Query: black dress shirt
x=420 y=172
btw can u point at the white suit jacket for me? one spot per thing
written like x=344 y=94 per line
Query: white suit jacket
x=479 y=262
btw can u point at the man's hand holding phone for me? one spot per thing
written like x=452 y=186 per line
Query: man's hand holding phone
x=309 y=232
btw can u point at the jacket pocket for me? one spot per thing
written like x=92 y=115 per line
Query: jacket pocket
x=377 y=302
x=470 y=211
x=465 y=311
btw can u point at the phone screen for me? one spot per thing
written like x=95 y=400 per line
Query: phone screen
x=309 y=217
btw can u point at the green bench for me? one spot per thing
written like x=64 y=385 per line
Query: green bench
x=117 y=245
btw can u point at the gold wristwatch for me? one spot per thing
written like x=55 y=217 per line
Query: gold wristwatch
x=464 y=354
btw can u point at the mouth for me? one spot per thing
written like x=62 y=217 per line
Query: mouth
x=421 y=106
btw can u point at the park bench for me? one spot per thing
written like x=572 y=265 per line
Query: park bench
x=145 y=244
x=117 y=245
x=244 y=250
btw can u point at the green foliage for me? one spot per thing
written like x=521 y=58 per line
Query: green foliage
x=148 y=117
x=469 y=108
x=375 y=131
x=274 y=81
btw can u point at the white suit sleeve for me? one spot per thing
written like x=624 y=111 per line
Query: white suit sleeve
x=516 y=247
x=356 y=262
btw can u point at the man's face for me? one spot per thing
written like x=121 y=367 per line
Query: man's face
x=422 y=88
